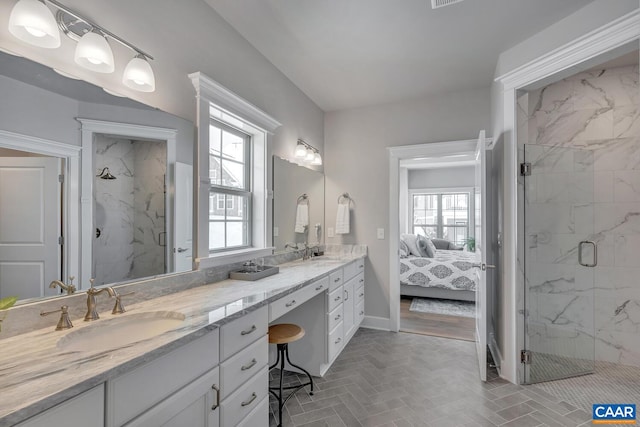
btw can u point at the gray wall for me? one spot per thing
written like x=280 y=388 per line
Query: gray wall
x=463 y=176
x=184 y=37
x=361 y=135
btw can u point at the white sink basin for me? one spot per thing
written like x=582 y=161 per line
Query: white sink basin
x=121 y=331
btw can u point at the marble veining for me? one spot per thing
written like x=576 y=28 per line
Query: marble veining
x=36 y=374
x=582 y=137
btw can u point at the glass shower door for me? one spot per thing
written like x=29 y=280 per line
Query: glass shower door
x=559 y=259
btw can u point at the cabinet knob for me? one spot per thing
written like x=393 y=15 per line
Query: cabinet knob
x=318 y=288
x=336 y=280
x=337 y=298
x=337 y=317
x=338 y=341
x=249 y=366
x=289 y=304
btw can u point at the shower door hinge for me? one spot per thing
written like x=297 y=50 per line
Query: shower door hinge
x=525 y=357
x=61 y=240
x=525 y=169
x=61 y=178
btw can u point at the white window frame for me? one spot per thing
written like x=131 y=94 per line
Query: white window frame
x=261 y=127
x=453 y=190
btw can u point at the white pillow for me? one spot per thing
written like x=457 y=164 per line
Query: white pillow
x=404 y=249
x=412 y=244
x=426 y=246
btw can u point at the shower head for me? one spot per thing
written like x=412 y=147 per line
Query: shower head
x=106 y=174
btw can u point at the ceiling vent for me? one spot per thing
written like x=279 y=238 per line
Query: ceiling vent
x=442 y=3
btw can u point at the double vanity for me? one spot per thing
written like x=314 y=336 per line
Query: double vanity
x=198 y=357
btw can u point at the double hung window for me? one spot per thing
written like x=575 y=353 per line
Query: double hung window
x=444 y=215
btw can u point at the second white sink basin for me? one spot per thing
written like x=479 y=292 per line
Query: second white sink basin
x=121 y=331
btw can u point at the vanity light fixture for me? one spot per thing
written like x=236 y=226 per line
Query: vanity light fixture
x=33 y=22
x=307 y=153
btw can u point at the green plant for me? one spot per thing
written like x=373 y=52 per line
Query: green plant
x=470 y=243
x=6 y=303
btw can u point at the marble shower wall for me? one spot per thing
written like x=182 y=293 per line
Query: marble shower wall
x=129 y=210
x=583 y=140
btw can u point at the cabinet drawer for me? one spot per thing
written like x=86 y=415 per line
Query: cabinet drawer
x=359 y=313
x=335 y=279
x=334 y=318
x=335 y=299
x=239 y=368
x=359 y=281
x=236 y=335
x=349 y=271
x=258 y=417
x=86 y=409
x=136 y=391
x=239 y=404
x=336 y=341
x=289 y=302
x=359 y=296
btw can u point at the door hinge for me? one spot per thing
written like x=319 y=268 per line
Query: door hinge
x=61 y=240
x=525 y=169
x=525 y=357
x=61 y=178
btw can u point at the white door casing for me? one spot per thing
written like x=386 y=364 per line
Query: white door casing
x=481 y=254
x=30 y=219
x=183 y=220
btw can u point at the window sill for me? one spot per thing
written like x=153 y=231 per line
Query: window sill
x=232 y=257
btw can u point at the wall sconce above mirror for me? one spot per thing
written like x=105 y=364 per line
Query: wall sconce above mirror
x=307 y=154
x=33 y=22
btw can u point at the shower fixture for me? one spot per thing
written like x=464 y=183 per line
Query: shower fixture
x=106 y=174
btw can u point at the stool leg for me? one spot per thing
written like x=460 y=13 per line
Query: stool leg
x=282 y=348
x=277 y=360
x=302 y=369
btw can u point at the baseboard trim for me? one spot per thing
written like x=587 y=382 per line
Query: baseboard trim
x=495 y=351
x=373 y=322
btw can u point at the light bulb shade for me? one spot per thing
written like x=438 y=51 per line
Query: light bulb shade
x=310 y=155
x=317 y=160
x=301 y=151
x=94 y=53
x=138 y=75
x=32 y=22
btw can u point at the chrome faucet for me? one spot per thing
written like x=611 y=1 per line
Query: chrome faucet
x=70 y=288
x=92 y=312
x=309 y=251
x=293 y=246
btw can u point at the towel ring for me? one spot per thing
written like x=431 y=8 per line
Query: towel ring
x=303 y=198
x=345 y=196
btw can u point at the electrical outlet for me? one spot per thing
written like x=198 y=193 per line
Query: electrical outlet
x=380 y=233
x=330 y=232
x=276 y=231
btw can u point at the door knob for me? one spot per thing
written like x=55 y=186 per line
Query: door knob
x=484 y=266
x=180 y=250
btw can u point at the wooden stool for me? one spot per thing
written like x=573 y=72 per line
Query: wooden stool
x=282 y=335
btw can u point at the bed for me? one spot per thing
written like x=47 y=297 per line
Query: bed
x=449 y=274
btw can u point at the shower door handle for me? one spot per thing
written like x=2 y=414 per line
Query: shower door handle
x=595 y=253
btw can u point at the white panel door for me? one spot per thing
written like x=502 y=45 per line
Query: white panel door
x=481 y=254
x=30 y=217
x=183 y=241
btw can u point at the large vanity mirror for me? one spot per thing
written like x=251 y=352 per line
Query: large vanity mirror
x=298 y=205
x=92 y=185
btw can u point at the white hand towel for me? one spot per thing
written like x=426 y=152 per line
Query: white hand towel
x=342 y=219
x=302 y=218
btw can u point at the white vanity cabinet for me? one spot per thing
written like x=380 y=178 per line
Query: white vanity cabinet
x=86 y=410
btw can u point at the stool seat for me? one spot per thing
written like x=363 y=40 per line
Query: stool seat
x=285 y=333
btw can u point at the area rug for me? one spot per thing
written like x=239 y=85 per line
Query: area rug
x=444 y=306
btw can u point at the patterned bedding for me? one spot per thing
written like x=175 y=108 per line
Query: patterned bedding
x=448 y=269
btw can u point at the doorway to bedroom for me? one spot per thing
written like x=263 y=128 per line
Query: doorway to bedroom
x=437 y=246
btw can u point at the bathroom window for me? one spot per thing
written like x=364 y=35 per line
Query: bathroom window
x=442 y=214
x=229 y=187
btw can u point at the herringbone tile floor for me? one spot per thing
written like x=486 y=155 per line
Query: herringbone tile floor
x=397 y=379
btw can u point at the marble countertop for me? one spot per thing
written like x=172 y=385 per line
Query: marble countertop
x=36 y=375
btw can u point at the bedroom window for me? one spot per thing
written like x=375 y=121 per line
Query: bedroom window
x=441 y=214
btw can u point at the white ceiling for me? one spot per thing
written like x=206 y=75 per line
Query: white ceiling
x=351 y=53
